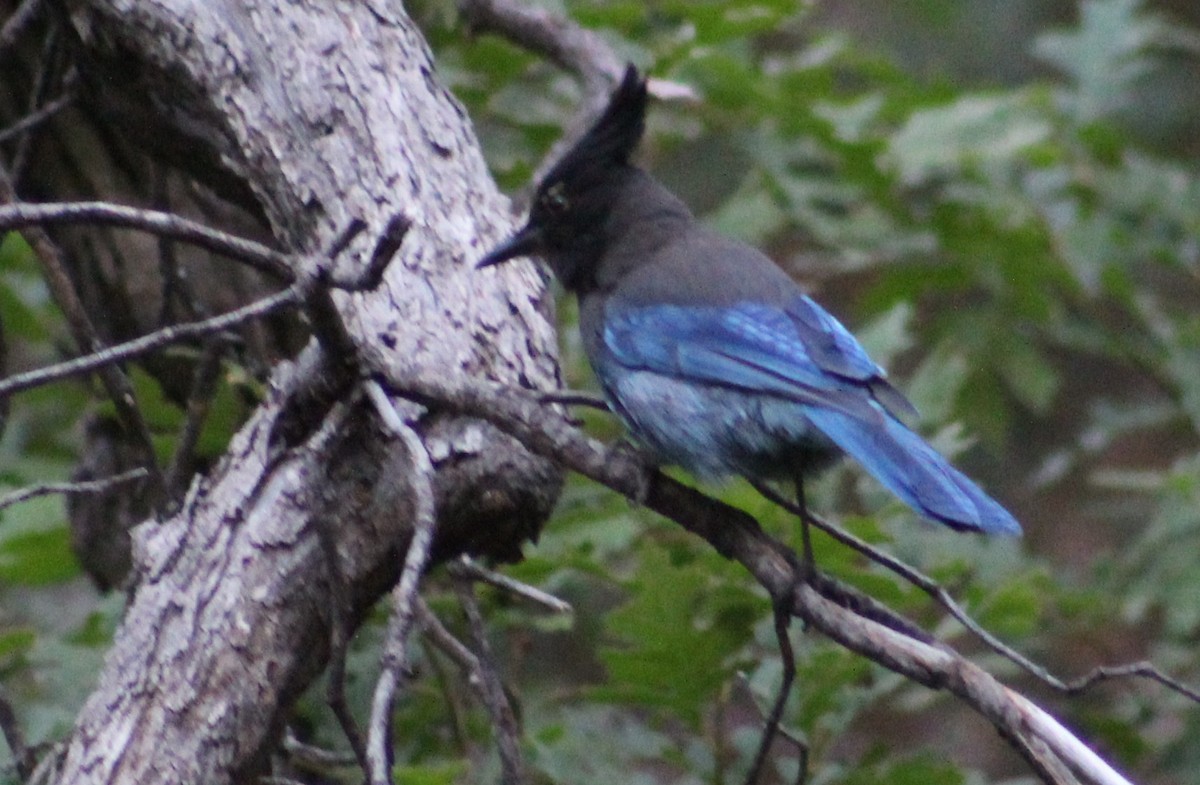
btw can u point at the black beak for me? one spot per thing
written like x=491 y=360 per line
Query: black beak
x=526 y=242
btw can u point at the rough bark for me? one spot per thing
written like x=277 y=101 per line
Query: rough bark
x=309 y=113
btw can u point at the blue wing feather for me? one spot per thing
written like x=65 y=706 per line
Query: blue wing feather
x=749 y=346
x=802 y=354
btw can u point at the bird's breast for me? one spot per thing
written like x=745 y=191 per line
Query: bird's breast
x=715 y=432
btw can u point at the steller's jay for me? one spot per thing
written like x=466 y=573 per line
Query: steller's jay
x=711 y=355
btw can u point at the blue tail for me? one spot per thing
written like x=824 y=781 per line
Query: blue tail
x=914 y=471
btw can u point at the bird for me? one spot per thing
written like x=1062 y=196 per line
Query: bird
x=711 y=355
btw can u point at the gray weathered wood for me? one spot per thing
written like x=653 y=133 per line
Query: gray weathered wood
x=314 y=112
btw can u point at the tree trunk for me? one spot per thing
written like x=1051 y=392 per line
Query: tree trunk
x=310 y=114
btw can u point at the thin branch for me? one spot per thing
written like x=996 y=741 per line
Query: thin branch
x=21 y=215
x=1081 y=757
x=572 y=47
x=466 y=567
x=444 y=640
x=204 y=386
x=737 y=536
x=801 y=746
x=940 y=667
x=38 y=95
x=339 y=637
x=386 y=248
x=491 y=688
x=116 y=384
x=340 y=630
x=396 y=660
x=17 y=23
x=939 y=594
x=481 y=674
x=1145 y=670
x=337 y=366
x=561 y=40
x=34 y=119
x=22 y=753
x=312 y=756
x=86 y=486
x=289 y=297
x=175 y=284
x=456 y=713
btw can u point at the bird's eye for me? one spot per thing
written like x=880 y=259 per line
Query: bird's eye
x=554 y=201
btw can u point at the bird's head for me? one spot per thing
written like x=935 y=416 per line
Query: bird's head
x=567 y=221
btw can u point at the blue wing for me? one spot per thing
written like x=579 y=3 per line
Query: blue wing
x=802 y=354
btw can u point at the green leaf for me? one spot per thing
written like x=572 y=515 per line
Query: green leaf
x=675 y=638
x=970 y=132
x=1105 y=56
x=442 y=773
x=38 y=558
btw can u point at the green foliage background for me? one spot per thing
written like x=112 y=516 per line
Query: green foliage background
x=1005 y=206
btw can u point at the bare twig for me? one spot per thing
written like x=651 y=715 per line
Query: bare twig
x=1144 y=670
x=312 y=756
x=176 y=288
x=564 y=42
x=939 y=594
x=466 y=567
x=86 y=486
x=444 y=640
x=396 y=660
x=16 y=24
x=35 y=118
x=116 y=384
x=335 y=692
x=457 y=714
x=338 y=365
x=22 y=753
x=800 y=745
x=782 y=622
x=289 y=297
x=573 y=48
x=386 y=247
x=340 y=628
x=481 y=675
x=270 y=262
x=204 y=386
x=491 y=688
x=47 y=75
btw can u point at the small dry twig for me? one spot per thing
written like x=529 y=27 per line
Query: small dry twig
x=289 y=297
x=491 y=688
x=86 y=486
x=395 y=659
x=466 y=567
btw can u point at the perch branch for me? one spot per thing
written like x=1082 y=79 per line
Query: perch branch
x=737 y=536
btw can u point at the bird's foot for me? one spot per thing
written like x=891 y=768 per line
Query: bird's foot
x=646 y=476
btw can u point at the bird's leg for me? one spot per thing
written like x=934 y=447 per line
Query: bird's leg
x=809 y=564
x=783 y=618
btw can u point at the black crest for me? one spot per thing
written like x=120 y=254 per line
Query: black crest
x=611 y=141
